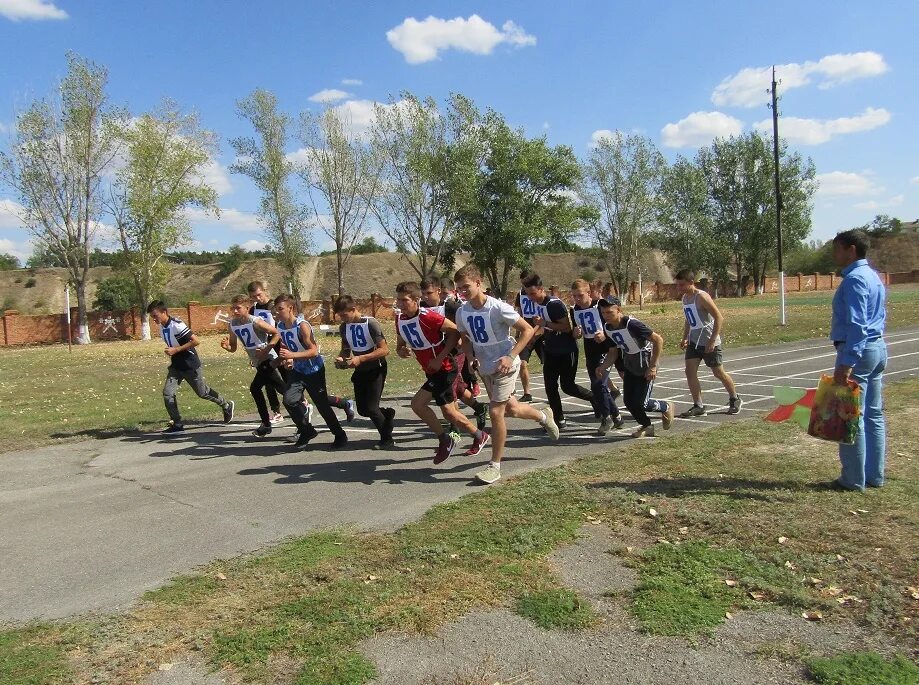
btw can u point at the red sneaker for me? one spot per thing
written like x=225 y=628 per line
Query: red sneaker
x=478 y=445
x=445 y=449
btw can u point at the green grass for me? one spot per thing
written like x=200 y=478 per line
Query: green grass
x=863 y=668
x=556 y=608
x=108 y=388
x=724 y=497
x=26 y=658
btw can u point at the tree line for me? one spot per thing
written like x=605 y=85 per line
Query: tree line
x=436 y=179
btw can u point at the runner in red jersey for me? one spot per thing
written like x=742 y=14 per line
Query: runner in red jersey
x=432 y=338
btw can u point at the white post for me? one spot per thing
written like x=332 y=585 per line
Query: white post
x=641 y=292
x=782 y=298
x=67 y=309
x=290 y=287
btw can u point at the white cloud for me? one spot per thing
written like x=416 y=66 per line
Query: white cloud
x=18 y=10
x=10 y=214
x=217 y=177
x=894 y=201
x=747 y=88
x=915 y=180
x=351 y=82
x=846 y=183
x=230 y=219
x=422 y=41
x=700 y=128
x=816 y=131
x=601 y=134
x=19 y=250
x=253 y=245
x=329 y=95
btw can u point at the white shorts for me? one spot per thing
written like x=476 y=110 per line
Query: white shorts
x=500 y=387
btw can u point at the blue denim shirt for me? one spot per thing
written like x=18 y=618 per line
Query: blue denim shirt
x=859 y=311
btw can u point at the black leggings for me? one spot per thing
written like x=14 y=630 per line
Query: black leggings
x=267 y=377
x=561 y=369
x=314 y=385
x=368 y=389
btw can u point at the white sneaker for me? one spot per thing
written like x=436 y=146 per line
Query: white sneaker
x=549 y=424
x=309 y=413
x=644 y=432
x=605 y=425
x=489 y=474
x=277 y=417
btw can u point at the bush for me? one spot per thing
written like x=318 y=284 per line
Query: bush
x=115 y=293
x=234 y=258
x=30 y=283
x=588 y=275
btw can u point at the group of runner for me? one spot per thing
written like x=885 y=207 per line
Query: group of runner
x=459 y=335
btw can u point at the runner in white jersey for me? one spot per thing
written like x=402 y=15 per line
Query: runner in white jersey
x=702 y=341
x=485 y=323
x=263 y=306
x=639 y=348
x=184 y=365
x=526 y=307
x=258 y=339
x=364 y=349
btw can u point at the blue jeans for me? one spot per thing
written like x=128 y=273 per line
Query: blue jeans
x=863 y=461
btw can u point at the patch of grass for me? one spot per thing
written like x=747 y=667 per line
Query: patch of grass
x=556 y=608
x=28 y=657
x=863 y=668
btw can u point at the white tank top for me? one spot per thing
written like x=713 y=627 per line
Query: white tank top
x=701 y=323
x=411 y=332
x=527 y=306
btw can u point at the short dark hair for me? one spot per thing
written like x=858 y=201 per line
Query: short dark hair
x=469 y=272
x=855 y=238
x=257 y=285
x=686 y=275
x=343 y=303
x=525 y=274
x=409 y=288
x=428 y=283
x=241 y=299
x=285 y=297
x=157 y=306
x=446 y=283
x=532 y=281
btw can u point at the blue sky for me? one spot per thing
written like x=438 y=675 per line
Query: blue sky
x=679 y=72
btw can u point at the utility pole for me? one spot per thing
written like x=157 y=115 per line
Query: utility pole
x=778 y=195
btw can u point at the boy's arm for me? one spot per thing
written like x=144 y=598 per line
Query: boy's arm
x=310 y=351
x=657 y=345
x=525 y=334
x=451 y=337
x=709 y=305
x=229 y=343
x=265 y=327
x=192 y=342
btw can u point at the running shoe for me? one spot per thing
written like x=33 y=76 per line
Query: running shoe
x=445 y=448
x=481 y=417
x=526 y=397
x=339 y=442
x=277 y=417
x=349 y=411
x=475 y=390
x=308 y=414
x=644 y=432
x=489 y=474
x=173 y=429
x=618 y=422
x=549 y=423
x=667 y=417
x=478 y=444
x=228 y=411
x=385 y=445
x=262 y=430
x=694 y=410
x=734 y=405
x=306 y=434
x=606 y=424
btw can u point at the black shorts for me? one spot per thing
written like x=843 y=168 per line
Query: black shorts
x=712 y=359
x=536 y=347
x=440 y=385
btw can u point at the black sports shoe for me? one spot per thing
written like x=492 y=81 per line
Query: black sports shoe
x=481 y=417
x=385 y=445
x=618 y=422
x=306 y=434
x=262 y=430
x=228 y=411
x=339 y=442
x=526 y=397
x=734 y=405
x=173 y=429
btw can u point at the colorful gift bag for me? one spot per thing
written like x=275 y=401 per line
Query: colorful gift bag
x=836 y=411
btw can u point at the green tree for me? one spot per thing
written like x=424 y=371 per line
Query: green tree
x=232 y=260
x=411 y=141
x=166 y=154
x=115 y=294
x=59 y=153
x=622 y=181
x=882 y=224
x=518 y=196
x=343 y=172
x=8 y=262
x=262 y=159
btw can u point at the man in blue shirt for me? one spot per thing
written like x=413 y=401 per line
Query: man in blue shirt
x=857 y=331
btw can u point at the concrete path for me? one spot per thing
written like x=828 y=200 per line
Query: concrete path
x=90 y=526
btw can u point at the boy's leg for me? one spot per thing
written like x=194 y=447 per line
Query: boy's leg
x=567 y=375
x=195 y=378
x=170 y=388
x=726 y=380
x=551 y=369
x=314 y=384
x=368 y=388
x=255 y=388
x=692 y=380
x=635 y=392
x=421 y=406
x=293 y=400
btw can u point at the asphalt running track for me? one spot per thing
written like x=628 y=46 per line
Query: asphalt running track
x=90 y=526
